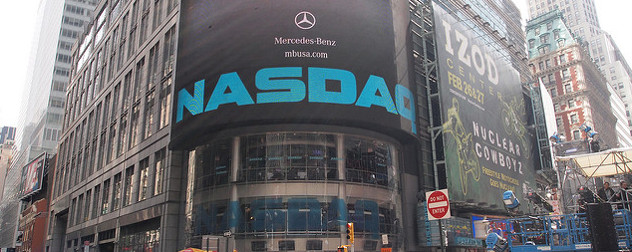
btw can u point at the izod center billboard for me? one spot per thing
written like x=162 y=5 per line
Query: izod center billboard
x=253 y=62
x=486 y=143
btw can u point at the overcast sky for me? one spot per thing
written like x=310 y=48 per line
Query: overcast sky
x=18 y=16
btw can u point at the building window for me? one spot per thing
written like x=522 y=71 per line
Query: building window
x=95 y=202
x=157 y=14
x=148 y=116
x=574 y=119
x=541 y=65
x=576 y=135
x=556 y=107
x=134 y=121
x=566 y=74
x=562 y=58
x=568 y=88
x=121 y=142
x=105 y=201
x=165 y=104
x=78 y=210
x=116 y=192
x=152 y=67
x=159 y=170
x=571 y=103
x=138 y=80
x=73 y=209
x=169 y=51
x=549 y=26
x=544 y=39
x=559 y=122
x=547 y=63
x=111 y=142
x=553 y=92
x=531 y=43
x=129 y=186
x=143 y=185
x=115 y=100
x=86 y=215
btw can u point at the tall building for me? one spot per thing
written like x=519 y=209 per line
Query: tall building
x=581 y=18
x=7 y=133
x=39 y=127
x=6 y=149
x=286 y=120
x=575 y=84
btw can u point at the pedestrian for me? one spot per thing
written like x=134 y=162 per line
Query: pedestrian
x=606 y=194
x=623 y=196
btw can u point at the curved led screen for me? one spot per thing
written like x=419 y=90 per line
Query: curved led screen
x=286 y=61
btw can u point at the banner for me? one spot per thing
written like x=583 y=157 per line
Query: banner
x=32 y=176
x=487 y=147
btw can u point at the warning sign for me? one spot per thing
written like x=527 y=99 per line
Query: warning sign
x=438 y=204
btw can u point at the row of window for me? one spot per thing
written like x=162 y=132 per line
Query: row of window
x=128 y=109
x=136 y=183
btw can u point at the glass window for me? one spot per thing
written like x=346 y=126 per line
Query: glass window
x=159 y=170
x=129 y=186
x=78 y=210
x=86 y=215
x=164 y=114
x=574 y=119
x=576 y=135
x=105 y=199
x=157 y=14
x=568 y=88
x=148 y=119
x=116 y=192
x=95 y=202
x=143 y=185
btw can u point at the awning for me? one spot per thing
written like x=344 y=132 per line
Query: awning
x=193 y=250
x=605 y=163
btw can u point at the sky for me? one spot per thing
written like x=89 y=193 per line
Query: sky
x=17 y=19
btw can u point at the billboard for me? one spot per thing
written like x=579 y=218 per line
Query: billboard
x=33 y=176
x=486 y=143
x=258 y=62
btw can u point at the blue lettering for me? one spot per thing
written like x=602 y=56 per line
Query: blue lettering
x=193 y=103
x=402 y=93
x=368 y=96
x=238 y=93
x=317 y=80
x=283 y=87
x=269 y=79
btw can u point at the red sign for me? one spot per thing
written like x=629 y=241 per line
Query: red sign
x=438 y=204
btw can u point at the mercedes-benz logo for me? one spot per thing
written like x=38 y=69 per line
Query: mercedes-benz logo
x=305 y=20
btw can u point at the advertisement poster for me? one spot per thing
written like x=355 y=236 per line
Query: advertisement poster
x=32 y=176
x=487 y=147
x=243 y=63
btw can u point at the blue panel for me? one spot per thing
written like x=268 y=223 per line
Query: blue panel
x=367 y=222
x=304 y=214
x=268 y=215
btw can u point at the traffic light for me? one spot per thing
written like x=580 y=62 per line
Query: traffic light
x=350 y=232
